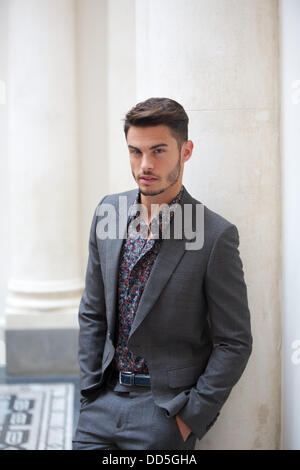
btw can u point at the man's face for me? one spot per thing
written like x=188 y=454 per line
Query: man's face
x=155 y=158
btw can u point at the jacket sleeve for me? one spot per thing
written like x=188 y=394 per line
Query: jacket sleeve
x=92 y=318
x=230 y=331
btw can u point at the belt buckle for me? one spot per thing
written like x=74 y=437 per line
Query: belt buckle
x=130 y=376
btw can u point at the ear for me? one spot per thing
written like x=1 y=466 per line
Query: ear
x=187 y=150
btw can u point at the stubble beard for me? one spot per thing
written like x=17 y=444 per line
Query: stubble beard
x=172 y=179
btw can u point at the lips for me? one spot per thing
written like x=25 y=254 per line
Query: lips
x=147 y=179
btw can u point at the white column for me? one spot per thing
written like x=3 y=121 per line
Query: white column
x=121 y=91
x=219 y=59
x=290 y=144
x=4 y=169
x=92 y=41
x=45 y=283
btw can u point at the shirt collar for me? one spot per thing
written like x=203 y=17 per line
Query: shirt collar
x=161 y=219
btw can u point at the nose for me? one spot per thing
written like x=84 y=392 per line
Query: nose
x=147 y=162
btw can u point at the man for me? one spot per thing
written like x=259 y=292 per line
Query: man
x=164 y=325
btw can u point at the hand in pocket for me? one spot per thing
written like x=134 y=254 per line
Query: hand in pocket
x=183 y=428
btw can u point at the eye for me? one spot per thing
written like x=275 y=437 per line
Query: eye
x=134 y=151
x=159 y=150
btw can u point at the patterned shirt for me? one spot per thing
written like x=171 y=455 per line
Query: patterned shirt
x=137 y=258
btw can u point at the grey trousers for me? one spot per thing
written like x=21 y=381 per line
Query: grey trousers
x=127 y=420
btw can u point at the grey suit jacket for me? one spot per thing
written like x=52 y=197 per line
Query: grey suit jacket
x=192 y=324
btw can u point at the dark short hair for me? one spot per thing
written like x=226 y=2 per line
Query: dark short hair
x=159 y=111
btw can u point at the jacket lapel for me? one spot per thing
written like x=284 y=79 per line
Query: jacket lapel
x=168 y=257
x=113 y=247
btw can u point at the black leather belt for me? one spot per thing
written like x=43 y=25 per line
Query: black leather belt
x=129 y=378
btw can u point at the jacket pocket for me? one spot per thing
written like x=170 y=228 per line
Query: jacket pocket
x=90 y=398
x=84 y=401
x=184 y=377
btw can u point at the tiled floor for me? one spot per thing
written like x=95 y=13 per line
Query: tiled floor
x=5 y=379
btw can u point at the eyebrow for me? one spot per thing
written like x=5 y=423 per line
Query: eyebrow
x=151 y=148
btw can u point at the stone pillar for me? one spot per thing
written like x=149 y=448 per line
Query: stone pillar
x=92 y=40
x=121 y=92
x=45 y=284
x=290 y=143
x=4 y=168
x=220 y=60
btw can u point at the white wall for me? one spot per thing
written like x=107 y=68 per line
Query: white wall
x=290 y=144
x=92 y=42
x=107 y=89
x=4 y=171
x=121 y=89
